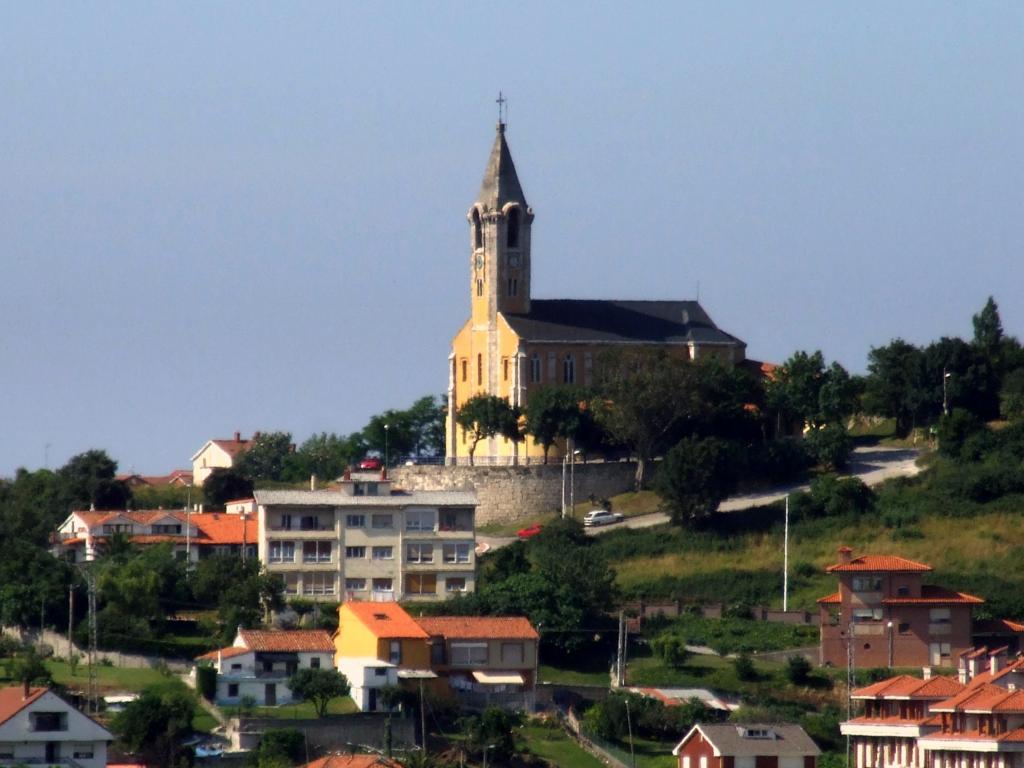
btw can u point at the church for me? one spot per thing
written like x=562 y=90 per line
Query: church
x=513 y=343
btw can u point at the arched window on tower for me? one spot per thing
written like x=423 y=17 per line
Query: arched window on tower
x=535 y=369
x=512 y=230
x=478 y=230
x=569 y=369
x=480 y=369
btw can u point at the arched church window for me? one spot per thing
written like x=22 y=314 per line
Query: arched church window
x=479 y=287
x=569 y=369
x=535 y=369
x=512 y=231
x=480 y=369
x=478 y=230
x=504 y=369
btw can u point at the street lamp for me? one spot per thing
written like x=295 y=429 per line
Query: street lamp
x=488 y=747
x=386 y=429
x=889 y=627
x=945 y=391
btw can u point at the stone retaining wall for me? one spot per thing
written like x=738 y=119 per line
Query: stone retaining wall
x=507 y=494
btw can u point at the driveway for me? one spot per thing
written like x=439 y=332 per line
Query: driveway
x=872 y=464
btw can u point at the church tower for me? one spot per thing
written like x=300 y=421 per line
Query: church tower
x=499 y=240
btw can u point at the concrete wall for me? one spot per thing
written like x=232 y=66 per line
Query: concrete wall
x=507 y=494
x=331 y=734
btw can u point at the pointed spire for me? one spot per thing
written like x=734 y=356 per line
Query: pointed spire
x=500 y=184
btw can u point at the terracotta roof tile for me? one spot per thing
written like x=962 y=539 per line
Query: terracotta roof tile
x=479 y=627
x=222 y=528
x=879 y=563
x=386 y=619
x=12 y=700
x=232 y=447
x=835 y=597
x=225 y=653
x=937 y=595
x=353 y=761
x=908 y=687
x=308 y=640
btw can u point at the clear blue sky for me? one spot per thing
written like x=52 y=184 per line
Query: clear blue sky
x=221 y=216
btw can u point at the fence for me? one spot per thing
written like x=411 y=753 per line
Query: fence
x=643 y=609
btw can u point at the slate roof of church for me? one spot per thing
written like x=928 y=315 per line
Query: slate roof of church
x=611 y=321
x=501 y=183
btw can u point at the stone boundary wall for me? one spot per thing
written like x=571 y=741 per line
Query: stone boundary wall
x=510 y=493
x=330 y=734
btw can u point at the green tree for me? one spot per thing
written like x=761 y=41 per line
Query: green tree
x=830 y=445
x=988 y=330
x=243 y=592
x=555 y=412
x=319 y=686
x=427 y=417
x=327 y=455
x=1011 y=395
x=29 y=669
x=280 y=748
x=264 y=459
x=88 y=479
x=485 y=416
x=798 y=670
x=896 y=385
x=223 y=485
x=696 y=476
x=391 y=433
x=154 y=726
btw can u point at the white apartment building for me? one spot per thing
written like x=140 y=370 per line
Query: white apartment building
x=38 y=727
x=369 y=541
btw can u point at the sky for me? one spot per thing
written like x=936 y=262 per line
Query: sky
x=252 y=216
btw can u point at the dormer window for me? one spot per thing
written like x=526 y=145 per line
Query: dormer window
x=512 y=232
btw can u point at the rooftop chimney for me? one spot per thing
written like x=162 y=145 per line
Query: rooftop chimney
x=238 y=437
x=256 y=435
x=383 y=473
x=845 y=555
x=926 y=673
x=312 y=482
x=997 y=660
x=26 y=690
x=347 y=475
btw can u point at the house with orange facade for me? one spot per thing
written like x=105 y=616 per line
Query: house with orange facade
x=883 y=615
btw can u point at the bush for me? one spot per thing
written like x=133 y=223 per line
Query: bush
x=206 y=681
x=744 y=668
x=671 y=649
x=830 y=446
x=954 y=432
x=798 y=670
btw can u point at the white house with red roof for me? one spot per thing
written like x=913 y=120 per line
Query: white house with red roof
x=889 y=617
x=84 y=534
x=218 y=454
x=259 y=663
x=37 y=727
x=746 y=745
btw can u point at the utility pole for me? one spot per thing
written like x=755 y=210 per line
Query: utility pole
x=71 y=620
x=423 y=720
x=785 y=561
x=93 y=701
x=629 y=726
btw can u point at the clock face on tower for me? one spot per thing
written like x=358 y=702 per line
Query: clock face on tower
x=479 y=261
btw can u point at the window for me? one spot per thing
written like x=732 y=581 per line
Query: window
x=419 y=553
x=479 y=287
x=383 y=553
x=380 y=671
x=904 y=628
x=166 y=529
x=314 y=663
x=512 y=231
x=383 y=521
x=235 y=667
x=569 y=369
x=478 y=230
x=419 y=520
x=117 y=528
x=383 y=585
x=318 y=583
x=867 y=614
x=465 y=368
x=309 y=523
x=395 y=652
x=316 y=552
x=456 y=553
x=232 y=690
x=464 y=654
x=939 y=616
x=902 y=591
x=355 y=585
x=49 y=721
x=83 y=751
x=479 y=369
x=867 y=584
x=535 y=369
x=355 y=553
x=284 y=522
x=512 y=653
x=282 y=551
x=513 y=286
x=455 y=584
x=355 y=521
x=421 y=584
x=291 y=583
x=504 y=369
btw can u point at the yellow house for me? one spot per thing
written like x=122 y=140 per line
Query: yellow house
x=513 y=343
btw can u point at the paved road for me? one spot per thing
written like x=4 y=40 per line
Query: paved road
x=872 y=464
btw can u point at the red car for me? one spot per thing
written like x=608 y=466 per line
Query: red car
x=529 y=531
x=370 y=463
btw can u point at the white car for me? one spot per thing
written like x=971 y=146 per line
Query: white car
x=601 y=517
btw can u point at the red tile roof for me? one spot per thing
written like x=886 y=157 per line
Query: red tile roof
x=908 y=687
x=386 y=620
x=293 y=641
x=937 y=595
x=879 y=563
x=13 y=700
x=479 y=627
x=224 y=653
x=353 y=761
x=232 y=447
x=222 y=528
x=835 y=597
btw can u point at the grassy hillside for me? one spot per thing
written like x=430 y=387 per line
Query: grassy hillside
x=973 y=545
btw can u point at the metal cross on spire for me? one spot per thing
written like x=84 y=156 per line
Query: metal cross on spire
x=501 y=101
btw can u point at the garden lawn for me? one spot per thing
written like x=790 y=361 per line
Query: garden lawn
x=566 y=676
x=300 y=710
x=552 y=743
x=109 y=679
